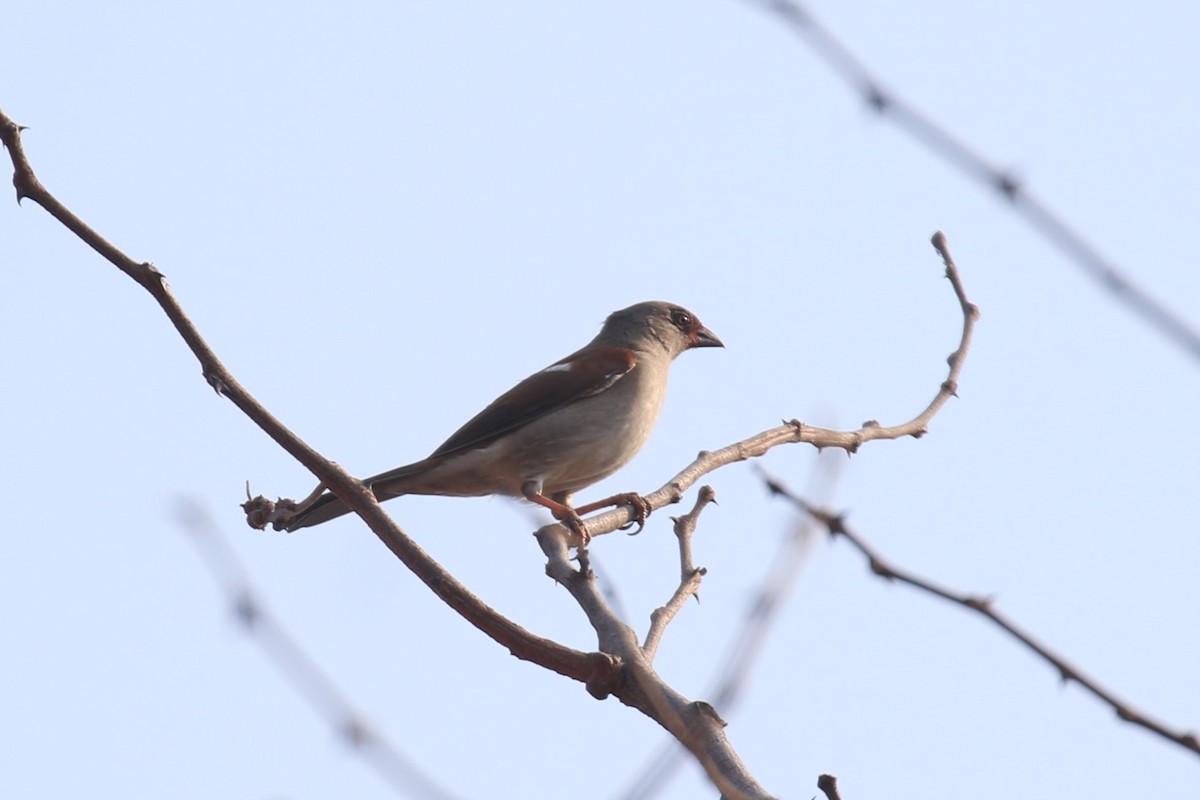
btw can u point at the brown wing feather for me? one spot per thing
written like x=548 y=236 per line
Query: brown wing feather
x=582 y=374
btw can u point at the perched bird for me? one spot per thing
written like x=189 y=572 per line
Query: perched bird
x=560 y=430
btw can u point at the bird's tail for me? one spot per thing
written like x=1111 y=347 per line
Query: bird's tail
x=386 y=485
x=325 y=508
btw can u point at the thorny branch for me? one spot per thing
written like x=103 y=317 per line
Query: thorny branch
x=295 y=664
x=694 y=723
x=1001 y=180
x=761 y=615
x=690 y=575
x=622 y=667
x=836 y=525
x=618 y=640
x=821 y=438
x=523 y=644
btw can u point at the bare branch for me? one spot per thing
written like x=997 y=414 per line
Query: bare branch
x=796 y=431
x=523 y=644
x=297 y=665
x=689 y=575
x=621 y=669
x=744 y=647
x=1001 y=180
x=836 y=525
x=633 y=680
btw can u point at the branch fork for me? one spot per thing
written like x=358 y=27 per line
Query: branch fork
x=623 y=666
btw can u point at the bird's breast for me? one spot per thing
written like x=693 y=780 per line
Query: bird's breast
x=596 y=436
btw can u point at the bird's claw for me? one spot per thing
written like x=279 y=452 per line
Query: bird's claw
x=641 y=509
x=573 y=519
x=577 y=526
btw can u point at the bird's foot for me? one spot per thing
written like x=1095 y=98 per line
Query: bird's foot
x=575 y=524
x=640 y=505
x=641 y=509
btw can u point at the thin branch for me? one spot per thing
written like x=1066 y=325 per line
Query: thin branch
x=836 y=525
x=695 y=724
x=796 y=431
x=1002 y=181
x=538 y=516
x=689 y=575
x=260 y=508
x=621 y=668
x=742 y=650
x=296 y=665
x=523 y=644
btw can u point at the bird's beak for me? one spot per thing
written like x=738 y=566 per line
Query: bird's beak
x=703 y=337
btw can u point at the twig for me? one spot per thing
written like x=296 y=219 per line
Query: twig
x=689 y=575
x=1000 y=180
x=295 y=664
x=790 y=432
x=743 y=648
x=821 y=438
x=836 y=525
x=695 y=724
x=621 y=668
x=523 y=644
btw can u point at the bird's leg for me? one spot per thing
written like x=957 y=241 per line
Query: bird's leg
x=640 y=505
x=561 y=511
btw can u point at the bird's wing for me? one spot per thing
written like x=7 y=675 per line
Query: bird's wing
x=583 y=374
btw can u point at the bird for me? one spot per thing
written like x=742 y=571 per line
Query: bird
x=560 y=430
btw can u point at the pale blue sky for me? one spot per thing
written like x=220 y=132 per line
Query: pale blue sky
x=384 y=214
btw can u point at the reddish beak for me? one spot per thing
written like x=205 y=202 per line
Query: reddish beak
x=703 y=337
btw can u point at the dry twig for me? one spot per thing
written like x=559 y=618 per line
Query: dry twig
x=689 y=575
x=294 y=663
x=796 y=431
x=744 y=647
x=1003 y=181
x=621 y=667
x=836 y=525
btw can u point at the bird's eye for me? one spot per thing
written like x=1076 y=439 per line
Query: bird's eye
x=682 y=320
